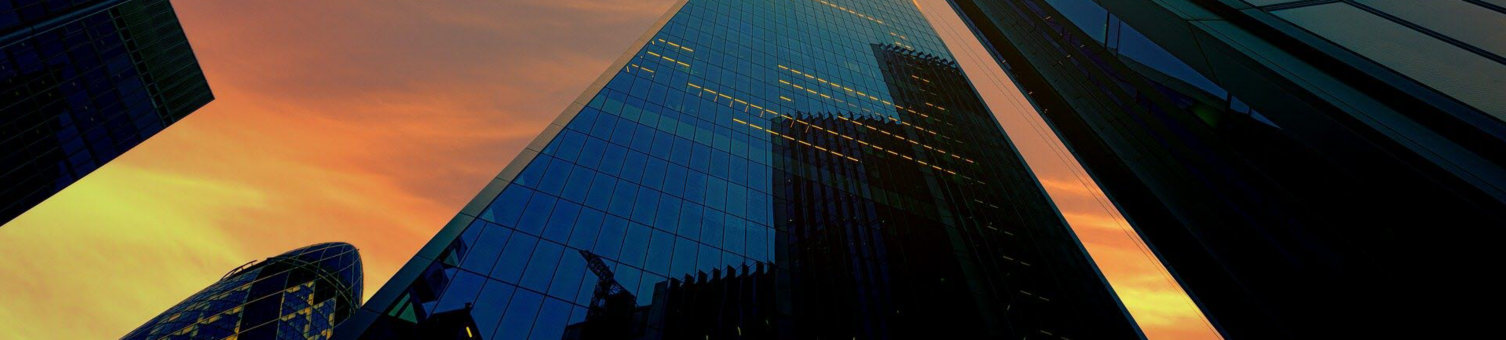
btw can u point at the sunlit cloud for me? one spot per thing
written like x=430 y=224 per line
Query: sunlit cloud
x=368 y=123
x=334 y=121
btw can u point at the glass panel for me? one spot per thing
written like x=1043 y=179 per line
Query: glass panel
x=489 y=305
x=830 y=138
x=1269 y=2
x=541 y=266
x=1139 y=48
x=1087 y=15
x=1466 y=76
x=484 y=252
x=518 y=320
x=1469 y=23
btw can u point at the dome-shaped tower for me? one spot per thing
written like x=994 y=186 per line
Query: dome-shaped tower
x=300 y=294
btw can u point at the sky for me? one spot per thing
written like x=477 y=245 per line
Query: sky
x=372 y=123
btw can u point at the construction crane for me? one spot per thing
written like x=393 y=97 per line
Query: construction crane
x=606 y=286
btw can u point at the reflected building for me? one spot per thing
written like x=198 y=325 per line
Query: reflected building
x=923 y=223
x=82 y=82
x=1297 y=165
x=301 y=294
x=792 y=169
x=725 y=304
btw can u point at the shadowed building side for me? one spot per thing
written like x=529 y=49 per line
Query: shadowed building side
x=933 y=224
x=81 y=82
x=1282 y=158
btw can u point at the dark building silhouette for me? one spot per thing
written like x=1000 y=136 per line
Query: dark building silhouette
x=455 y=324
x=82 y=82
x=935 y=226
x=1296 y=164
x=300 y=294
x=829 y=147
x=725 y=304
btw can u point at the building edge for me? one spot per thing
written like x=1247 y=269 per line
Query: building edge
x=388 y=293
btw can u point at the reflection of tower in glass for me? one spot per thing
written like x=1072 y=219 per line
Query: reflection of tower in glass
x=302 y=293
x=726 y=303
x=881 y=198
x=888 y=231
x=923 y=219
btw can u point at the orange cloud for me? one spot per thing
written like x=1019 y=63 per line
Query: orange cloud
x=371 y=124
x=335 y=121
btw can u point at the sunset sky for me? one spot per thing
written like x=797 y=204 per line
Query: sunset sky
x=373 y=123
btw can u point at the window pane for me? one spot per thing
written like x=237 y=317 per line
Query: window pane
x=1463 y=21
x=518 y=320
x=1465 y=76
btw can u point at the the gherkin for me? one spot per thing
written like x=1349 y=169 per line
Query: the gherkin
x=300 y=294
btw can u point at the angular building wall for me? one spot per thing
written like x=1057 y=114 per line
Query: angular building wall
x=300 y=294
x=1285 y=159
x=831 y=143
x=82 y=82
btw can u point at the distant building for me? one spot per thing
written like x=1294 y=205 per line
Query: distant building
x=82 y=82
x=300 y=294
x=726 y=304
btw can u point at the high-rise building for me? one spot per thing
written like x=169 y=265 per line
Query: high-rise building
x=1305 y=169
x=82 y=82
x=300 y=294
x=829 y=142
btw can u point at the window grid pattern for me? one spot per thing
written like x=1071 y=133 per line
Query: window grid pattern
x=82 y=82
x=300 y=294
x=1453 y=45
x=680 y=164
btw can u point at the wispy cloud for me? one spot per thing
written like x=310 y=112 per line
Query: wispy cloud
x=369 y=123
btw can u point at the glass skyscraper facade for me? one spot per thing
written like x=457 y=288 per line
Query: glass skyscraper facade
x=765 y=169
x=82 y=82
x=300 y=294
x=1304 y=168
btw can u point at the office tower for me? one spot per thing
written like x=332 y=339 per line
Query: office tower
x=1304 y=168
x=300 y=294
x=830 y=143
x=82 y=82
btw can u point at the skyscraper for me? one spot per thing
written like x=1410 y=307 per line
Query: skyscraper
x=82 y=82
x=830 y=145
x=300 y=294
x=1305 y=168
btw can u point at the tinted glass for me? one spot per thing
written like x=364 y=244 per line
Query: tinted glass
x=830 y=145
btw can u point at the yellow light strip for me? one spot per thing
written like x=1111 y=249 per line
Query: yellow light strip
x=793 y=121
x=802 y=142
x=901 y=138
x=672 y=60
x=633 y=66
x=860 y=94
x=671 y=43
x=845 y=9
